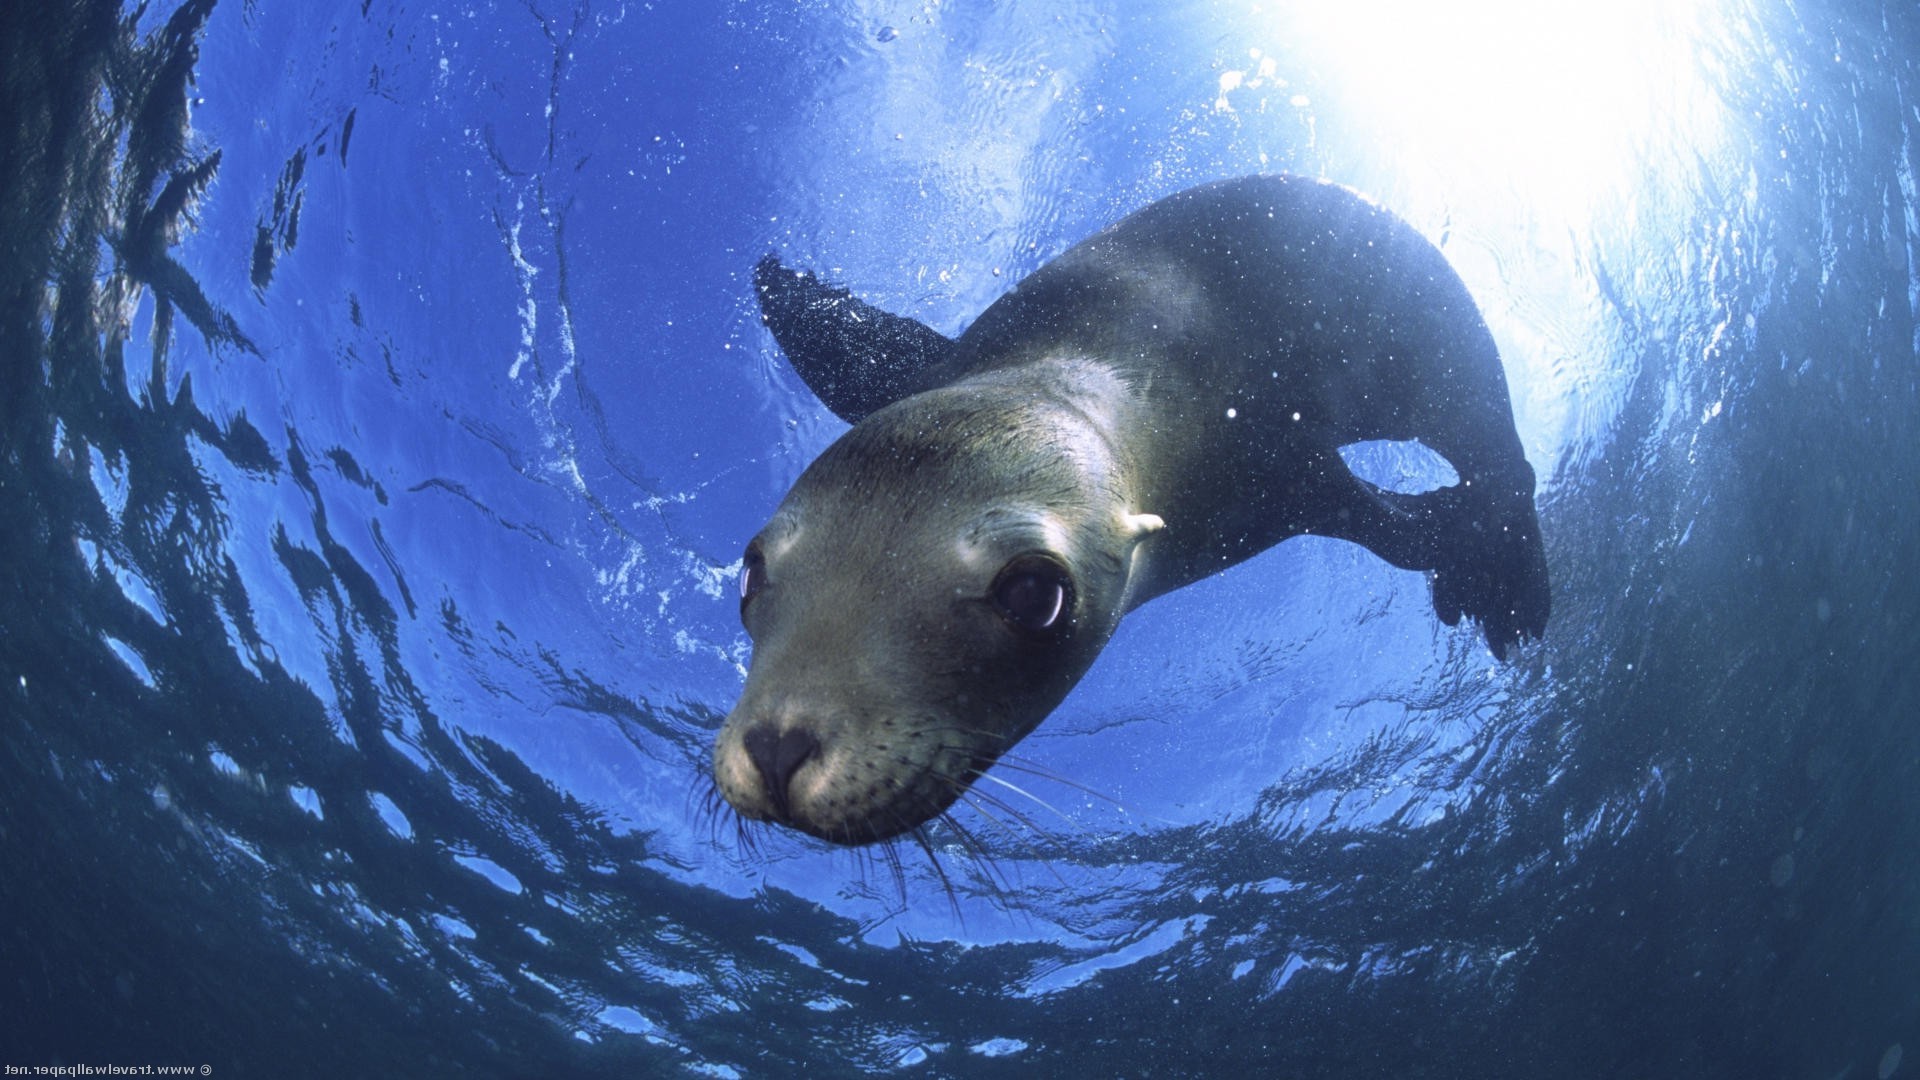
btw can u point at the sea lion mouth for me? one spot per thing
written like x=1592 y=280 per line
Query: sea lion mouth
x=884 y=784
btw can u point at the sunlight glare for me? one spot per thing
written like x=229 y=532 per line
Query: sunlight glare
x=1555 y=100
x=1523 y=136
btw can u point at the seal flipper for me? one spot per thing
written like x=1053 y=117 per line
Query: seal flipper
x=1492 y=568
x=852 y=355
x=1482 y=552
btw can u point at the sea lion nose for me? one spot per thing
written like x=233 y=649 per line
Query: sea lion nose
x=778 y=755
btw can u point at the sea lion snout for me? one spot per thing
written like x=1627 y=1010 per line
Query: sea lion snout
x=777 y=756
x=849 y=777
x=769 y=758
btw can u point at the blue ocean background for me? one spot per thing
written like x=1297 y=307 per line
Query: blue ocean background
x=385 y=409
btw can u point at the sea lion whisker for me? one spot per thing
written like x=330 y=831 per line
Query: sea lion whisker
x=1018 y=790
x=712 y=813
x=749 y=835
x=707 y=808
x=979 y=806
x=1021 y=765
x=992 y=808
x=979 y=800
x=1060 y=850
x=884 y=852
x=746 y=841
x=998 y=884
x=890 y=851
x=919 y=835
x=976 y=797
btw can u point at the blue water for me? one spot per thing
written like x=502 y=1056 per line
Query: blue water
x=385 y=410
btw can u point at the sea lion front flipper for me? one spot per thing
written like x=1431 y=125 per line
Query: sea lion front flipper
x=852 y=355
x=1480 y=548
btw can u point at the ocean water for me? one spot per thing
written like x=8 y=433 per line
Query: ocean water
x=385 y=409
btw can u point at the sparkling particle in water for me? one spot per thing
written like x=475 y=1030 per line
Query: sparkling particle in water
x=1782 y=871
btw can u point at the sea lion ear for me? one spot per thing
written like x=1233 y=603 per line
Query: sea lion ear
x=855 y=357
x=1140 y=526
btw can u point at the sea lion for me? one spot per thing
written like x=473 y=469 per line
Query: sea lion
x=1165 y=399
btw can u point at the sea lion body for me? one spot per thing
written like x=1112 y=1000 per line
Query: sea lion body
x=1165 y=399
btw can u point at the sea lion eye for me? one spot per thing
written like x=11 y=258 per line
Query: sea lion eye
x=1034 y=593
x=753 y=576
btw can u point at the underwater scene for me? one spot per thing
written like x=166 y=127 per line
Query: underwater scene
x=386 y=410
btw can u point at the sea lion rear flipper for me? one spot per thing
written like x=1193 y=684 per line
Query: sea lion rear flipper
x=1482 y=552
x=852 y=355
x=1493 y=569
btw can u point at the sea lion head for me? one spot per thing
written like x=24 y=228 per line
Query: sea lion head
x=932 y=586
